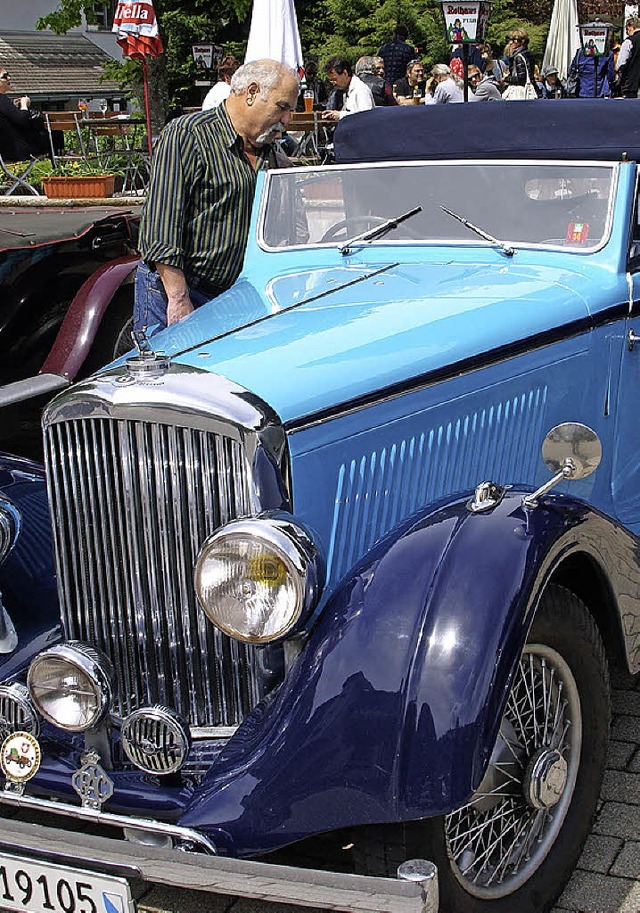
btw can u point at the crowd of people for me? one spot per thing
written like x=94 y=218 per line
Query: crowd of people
x=397 y=75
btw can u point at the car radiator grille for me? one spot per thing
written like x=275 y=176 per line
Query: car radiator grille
x=131 y=504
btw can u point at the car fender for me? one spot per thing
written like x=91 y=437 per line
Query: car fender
x=28 y=595
x=82 y=321
x=392 y=708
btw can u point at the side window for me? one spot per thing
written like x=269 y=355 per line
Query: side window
x=634 y=246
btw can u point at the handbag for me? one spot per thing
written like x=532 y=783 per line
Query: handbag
x=514 y=93
x=527 y=92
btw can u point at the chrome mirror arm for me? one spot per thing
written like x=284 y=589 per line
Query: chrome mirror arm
x=567 y=472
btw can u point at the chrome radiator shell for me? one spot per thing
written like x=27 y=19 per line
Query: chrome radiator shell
x=139 y=475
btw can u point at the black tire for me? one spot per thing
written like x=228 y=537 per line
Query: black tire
x=549 y=790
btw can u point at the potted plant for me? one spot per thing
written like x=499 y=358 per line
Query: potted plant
x=79 y=179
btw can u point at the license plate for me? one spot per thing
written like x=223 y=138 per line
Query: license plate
x=42 y=887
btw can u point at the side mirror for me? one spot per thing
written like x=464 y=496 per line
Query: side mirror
x=571 y=451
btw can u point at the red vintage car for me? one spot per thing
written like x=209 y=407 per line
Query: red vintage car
x=66 y=281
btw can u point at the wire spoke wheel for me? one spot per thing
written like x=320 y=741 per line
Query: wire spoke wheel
x=504 y=833
x=513 y=846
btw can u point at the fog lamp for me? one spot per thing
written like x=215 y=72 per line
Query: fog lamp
x=258 y=579
x=72 y=686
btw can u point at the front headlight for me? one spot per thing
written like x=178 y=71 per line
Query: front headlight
x=257 y=579
x=71 y=685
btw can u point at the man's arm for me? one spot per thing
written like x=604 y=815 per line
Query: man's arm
x=625 y=53
x=179 y=303
x=161 y=234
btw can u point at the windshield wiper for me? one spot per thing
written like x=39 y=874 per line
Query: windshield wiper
x=506 y=248
x=372 y=233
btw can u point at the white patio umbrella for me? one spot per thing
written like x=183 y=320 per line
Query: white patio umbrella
x=563 y=39
x=274 y=33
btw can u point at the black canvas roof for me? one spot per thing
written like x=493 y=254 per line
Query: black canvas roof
x=561 y=129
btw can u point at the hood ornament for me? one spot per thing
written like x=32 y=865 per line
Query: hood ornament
x=147 y=364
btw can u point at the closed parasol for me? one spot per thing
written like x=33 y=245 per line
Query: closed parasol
x=563 y=39
x=138 y=36
x=274 y=33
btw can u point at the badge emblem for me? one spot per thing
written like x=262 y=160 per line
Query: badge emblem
x=20 y=757
x=91 y=782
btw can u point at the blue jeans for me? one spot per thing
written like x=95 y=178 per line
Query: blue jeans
x=150 y=300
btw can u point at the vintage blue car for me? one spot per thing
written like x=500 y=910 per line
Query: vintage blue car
x=351 y=550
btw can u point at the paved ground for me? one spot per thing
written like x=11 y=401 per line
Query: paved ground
x=607 y=879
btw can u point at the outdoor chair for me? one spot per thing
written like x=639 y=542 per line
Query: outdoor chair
x=15 y=180
x=64 y=122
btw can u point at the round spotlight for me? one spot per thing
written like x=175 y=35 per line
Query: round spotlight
x=155 y=740
x=258 y=579
x=72 y=686
x=17 y=711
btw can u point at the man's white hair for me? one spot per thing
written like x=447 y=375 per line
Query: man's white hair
x=441 y=69
x=365 y=65
x=266 y=73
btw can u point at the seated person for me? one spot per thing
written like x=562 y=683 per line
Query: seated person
x=22 y=131
x=314 y=84
x=412 y=86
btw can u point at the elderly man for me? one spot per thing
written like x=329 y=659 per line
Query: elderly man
x=447 y=89
x=358 y=96
x=195 y=221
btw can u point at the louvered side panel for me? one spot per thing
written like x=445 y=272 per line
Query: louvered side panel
x=379 y=489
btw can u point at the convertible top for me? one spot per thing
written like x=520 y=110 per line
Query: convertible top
x=37 y=226
x=587 y=129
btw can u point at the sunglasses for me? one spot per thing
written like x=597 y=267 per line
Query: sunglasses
x=5 y=76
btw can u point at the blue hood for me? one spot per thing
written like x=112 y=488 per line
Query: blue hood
x=353 y=329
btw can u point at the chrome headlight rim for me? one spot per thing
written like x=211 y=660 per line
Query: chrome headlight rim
x=93 y=664
x=10 y=523
x=17 y=694
x=300 y=555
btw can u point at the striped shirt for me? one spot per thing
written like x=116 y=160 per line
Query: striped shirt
x=198 y=208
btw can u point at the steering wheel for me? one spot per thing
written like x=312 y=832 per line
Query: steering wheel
x=354 y=225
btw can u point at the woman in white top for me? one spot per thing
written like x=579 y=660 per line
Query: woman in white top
x=217 y=94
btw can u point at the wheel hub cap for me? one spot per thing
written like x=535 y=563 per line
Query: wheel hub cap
x=545 y=778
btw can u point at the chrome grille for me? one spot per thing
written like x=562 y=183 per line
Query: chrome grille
x=132 y=502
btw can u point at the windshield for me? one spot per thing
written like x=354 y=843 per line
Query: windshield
x=559 y=204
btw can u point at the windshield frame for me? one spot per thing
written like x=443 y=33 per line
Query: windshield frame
x=474 y=241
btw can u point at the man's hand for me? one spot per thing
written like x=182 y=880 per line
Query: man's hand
x=177 y=308
x=175 y=285
x=330 y=115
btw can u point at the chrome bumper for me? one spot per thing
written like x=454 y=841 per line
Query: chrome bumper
x=218 y=875
x=30 y=387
